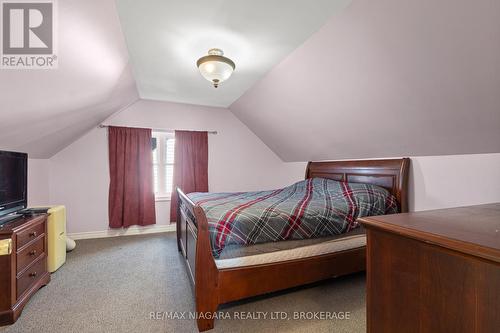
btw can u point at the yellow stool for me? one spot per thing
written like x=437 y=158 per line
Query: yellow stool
x=56 y=237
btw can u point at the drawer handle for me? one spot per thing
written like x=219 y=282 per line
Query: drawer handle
x=32 y=253
x=33 y=234
x=33 y=274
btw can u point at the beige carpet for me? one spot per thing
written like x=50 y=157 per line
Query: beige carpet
x=114 y=284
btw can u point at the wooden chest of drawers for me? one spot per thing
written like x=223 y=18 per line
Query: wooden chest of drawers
x=434 y=271
x=23 y=264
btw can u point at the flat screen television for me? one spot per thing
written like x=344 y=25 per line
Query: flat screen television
x=13 y=182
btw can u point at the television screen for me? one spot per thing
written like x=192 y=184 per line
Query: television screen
x=13 y=182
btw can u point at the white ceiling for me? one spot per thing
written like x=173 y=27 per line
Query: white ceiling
x=42 y=111
x=430 y=82
x=166 y=37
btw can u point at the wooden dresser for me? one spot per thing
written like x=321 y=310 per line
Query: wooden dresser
x=23 y=264
x=434 y=271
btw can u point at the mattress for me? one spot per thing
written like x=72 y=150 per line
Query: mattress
x=309 y=209
x=290 y=250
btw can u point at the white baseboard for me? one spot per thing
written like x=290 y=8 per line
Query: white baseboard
x=134 y=230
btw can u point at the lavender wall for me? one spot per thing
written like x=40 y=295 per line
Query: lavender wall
x=386 y=78
x=238 y=161
x=38 y=182
x=78 y=178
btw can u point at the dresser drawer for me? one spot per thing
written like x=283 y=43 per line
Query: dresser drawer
x=26 y=236
x=30 y=254
x=31 y=275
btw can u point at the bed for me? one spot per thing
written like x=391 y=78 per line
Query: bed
x=219 y=280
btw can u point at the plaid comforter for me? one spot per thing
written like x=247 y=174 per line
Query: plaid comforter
x=311 y=208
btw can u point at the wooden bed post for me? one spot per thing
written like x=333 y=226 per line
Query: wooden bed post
x=206 y=275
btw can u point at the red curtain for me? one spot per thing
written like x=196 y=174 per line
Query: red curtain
x=131 y=194
x=190 y=165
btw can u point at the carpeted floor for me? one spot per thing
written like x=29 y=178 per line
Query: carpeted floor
x=114 y=284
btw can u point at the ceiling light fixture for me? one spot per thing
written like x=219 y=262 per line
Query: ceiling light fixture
x=215 y=67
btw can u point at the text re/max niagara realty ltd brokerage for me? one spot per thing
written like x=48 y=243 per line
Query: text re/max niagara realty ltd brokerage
x=256 y=315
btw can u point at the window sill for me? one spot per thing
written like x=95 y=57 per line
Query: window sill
x=162 y=198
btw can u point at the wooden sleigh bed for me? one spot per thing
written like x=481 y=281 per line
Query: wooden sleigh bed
x=214 y=285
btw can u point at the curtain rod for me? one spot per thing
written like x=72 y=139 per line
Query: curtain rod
x=160 y=129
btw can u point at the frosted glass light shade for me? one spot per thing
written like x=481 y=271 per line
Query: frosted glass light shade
x=215 y=67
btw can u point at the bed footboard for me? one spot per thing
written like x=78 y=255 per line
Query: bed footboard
x=194 y=243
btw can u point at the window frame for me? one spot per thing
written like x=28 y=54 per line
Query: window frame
x=161 y=164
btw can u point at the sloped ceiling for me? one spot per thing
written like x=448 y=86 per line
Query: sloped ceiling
x=386 y=78
x=166 y=37
x=42 y=111
x=381 y=78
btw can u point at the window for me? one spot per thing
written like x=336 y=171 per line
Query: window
x=163 y=164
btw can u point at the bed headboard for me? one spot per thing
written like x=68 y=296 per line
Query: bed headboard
x=390 y=174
